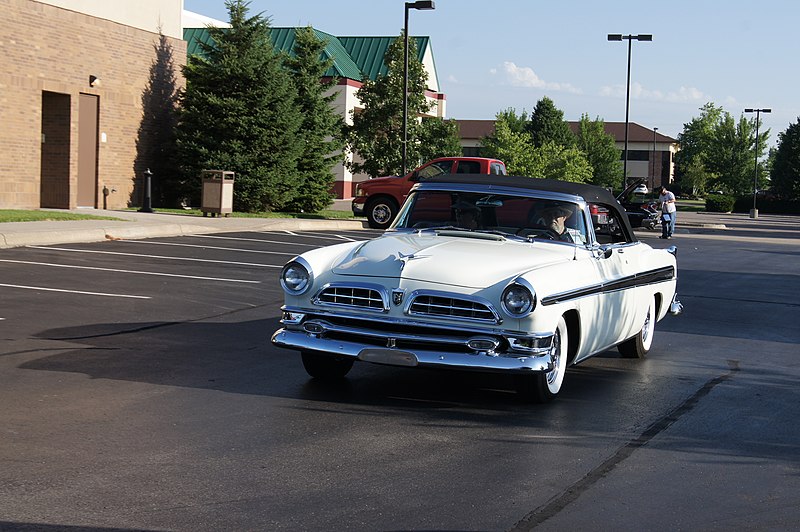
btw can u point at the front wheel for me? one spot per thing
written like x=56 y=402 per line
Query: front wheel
x=380 y=212
x=326 y=367
x=544 y=387
x=639 y=345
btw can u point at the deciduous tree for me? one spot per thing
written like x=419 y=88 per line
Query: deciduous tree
x=725 y=147
x=601 y=152
x=376 y=134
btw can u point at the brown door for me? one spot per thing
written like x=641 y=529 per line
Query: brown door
x=87 y=150
x=54 y=183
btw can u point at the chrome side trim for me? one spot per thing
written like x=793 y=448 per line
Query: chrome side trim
x=658 y=275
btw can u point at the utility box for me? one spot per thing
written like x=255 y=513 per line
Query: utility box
x=217 y=192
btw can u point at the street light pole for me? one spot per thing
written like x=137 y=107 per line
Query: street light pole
x=653 y=182
x=630 y=39
x=754 y=212
x=420 y=4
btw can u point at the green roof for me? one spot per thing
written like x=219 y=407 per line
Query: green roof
x=354 y=58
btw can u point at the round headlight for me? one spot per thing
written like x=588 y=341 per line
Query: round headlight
x=518 y=300
x=295 y=278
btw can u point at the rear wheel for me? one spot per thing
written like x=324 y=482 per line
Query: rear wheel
x=326 y=367
x=639 y=345
x=543 y=387
x=380 y=212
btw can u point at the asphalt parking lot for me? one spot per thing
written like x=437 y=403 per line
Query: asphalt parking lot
x=140 y=391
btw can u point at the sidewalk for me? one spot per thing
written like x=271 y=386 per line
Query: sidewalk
x=136 y=225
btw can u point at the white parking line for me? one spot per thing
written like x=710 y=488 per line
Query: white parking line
x=72 y=291
x=115 y=270
x=157 y=256
x=207 y=247
x=312 y=235
x=250 y=240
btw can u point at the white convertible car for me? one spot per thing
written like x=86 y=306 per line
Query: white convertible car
x=494 y=274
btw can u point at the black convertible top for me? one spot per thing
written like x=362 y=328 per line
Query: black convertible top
x=590 y=193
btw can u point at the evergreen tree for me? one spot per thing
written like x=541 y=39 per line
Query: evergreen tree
x=786 y=163
x=601 y=152
x=320 y=132
x=548 y=124
x=156 y=142
x=239 y=113
x=376 y=134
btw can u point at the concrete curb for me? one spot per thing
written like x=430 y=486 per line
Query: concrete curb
x=98 y=231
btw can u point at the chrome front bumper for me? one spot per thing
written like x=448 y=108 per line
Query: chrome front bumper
x=478 y=361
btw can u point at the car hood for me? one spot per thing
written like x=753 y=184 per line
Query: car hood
x=468 y=260
x=376 y=181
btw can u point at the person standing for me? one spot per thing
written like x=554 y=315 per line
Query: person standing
x=668 y=212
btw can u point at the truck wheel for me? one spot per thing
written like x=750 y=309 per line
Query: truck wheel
x=380 y=212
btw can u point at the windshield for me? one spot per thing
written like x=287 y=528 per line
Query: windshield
x=521 y=216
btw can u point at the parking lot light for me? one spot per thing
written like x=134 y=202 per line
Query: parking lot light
x=754 y=211
x=421 y=5
x=630 y=39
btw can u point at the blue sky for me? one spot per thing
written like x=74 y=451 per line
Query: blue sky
x=491 y=55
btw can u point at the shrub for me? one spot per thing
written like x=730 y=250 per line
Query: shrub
x=767 y=205
x=719 y=203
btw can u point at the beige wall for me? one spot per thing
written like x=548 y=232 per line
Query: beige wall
x=146 y=15
x=48 y=49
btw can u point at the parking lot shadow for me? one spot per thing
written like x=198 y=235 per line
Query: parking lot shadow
x=238 y=357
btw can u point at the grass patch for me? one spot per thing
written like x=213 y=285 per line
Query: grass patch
x=321 y=215
x=687 y=205
x=14 y=215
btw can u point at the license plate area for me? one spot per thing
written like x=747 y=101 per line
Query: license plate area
x=390 y=357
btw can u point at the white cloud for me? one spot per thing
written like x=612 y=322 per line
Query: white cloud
x=525 y=77
x=639 y=92
x=452 y=79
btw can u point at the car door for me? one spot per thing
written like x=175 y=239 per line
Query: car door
x=616 y=313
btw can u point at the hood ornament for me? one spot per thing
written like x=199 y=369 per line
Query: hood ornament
x=397 y=296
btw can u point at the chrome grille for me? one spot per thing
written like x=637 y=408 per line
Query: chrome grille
x=351 y=296
x=451 y=307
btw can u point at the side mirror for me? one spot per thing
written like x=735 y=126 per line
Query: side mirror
x=603 y=252
x=414 y=176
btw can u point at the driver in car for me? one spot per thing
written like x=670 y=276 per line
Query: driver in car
x=468 y=215
x=554 y=218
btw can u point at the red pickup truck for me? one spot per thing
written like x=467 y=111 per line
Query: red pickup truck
x=379 y=199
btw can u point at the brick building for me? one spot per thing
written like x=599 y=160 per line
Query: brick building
x=73 y=78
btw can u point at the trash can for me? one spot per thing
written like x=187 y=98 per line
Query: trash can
x=217 y=192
